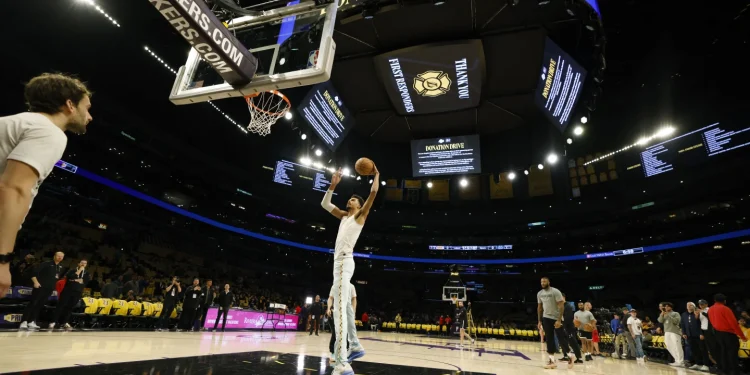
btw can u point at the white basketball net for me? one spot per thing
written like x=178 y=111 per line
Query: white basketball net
x=265 y=109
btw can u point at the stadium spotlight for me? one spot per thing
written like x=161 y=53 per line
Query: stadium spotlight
x=318 y=165
x=345 y=171
x=308 y=301
x=464 y=182
x=642 y=141
x=303 y=136
x=512 y=176
x=551 y=158
x=578 y=130
x=540 y=166
x=288 y=115
x=318 y=152
x=570 y=141
x=665 y=132
x=359 y=178
x=526 y=172
x=370 y=181
x=305 y=161
x=584 y=120
x=382 y=183
x=429 y=185
x=438 y=2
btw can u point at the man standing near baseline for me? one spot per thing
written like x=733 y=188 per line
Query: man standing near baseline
x=71 y=294
x=550 y=308
x=352 y=221
x=672 y=333
x=30 y=145
x=44 y=279
x=726 y=331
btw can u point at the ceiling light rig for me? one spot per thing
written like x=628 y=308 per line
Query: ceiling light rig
x=661 y=133
x=100 y=10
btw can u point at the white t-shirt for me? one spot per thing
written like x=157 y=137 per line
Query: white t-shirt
x=636 y=323
x=704 y=320
x=32 y=139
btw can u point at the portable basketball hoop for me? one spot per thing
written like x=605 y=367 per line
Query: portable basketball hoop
x=266 y=107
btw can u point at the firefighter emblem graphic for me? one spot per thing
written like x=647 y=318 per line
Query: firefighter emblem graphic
x=432 y=83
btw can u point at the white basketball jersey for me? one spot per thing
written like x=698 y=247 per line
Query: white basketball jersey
x=349 y=231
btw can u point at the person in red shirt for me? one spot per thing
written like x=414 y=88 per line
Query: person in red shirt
x=365 y=319
x=448 y=321
x=297 y=310
x=727 y=330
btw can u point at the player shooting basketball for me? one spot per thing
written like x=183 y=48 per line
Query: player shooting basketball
x=352 y=221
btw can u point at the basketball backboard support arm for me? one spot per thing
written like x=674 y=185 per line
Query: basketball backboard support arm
x=186 y=91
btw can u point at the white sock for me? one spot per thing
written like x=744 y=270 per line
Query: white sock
x=552 y=358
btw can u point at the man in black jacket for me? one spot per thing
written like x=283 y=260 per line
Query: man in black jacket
x=570 y=331
x=77 y=278
x=44 y=279
x=193 y=296
x=172 y=295
x=206 y=301
x=225 y=302
x=316 y=313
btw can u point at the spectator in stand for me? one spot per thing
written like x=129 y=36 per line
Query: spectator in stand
x=95 y=285
x=120 y=285
x=448 y=322
x=726 y=331
x=297 y=309
x=365 y=320
x=71 y=294
x=44 y=279
x=617 y=327
x=131 y=285
x=130 y=297
x=745 y=316
x=744 y=326
x=374 y=321
x=672 y=333
x=692 y=332
x=109 y=290
x=441 y=322
x=397 y=319
x=648 y=325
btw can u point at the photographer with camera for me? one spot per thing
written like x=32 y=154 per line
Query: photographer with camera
x=172 y=295
x=672 y=333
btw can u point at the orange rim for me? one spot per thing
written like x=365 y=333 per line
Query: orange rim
x=248 y=99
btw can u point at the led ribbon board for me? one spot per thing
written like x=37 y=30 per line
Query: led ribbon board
x=625 y=252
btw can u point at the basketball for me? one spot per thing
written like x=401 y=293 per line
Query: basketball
x=364 y=167
x=577 y=323
x=588 y=327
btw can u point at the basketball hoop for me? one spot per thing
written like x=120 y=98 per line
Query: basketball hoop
x=266 y=107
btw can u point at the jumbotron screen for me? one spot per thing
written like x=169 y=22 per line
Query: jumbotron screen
x=326 y=114
x=445 y=156
x=692 y=148
x=560 y=85
x=433 y=78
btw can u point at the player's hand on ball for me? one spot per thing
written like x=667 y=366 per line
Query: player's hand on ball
x=577 y=323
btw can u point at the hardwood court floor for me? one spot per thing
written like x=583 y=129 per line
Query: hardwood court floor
x=115 y=352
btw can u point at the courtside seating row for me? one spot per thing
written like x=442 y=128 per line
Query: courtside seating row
x=103 y=312
x=522 y=334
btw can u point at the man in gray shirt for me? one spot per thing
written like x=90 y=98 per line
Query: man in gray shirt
x=586 y=324
x=672 y=333
x=551 y=305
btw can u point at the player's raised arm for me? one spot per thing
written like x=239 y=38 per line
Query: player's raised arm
x=371 y=198
x=326 y=203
